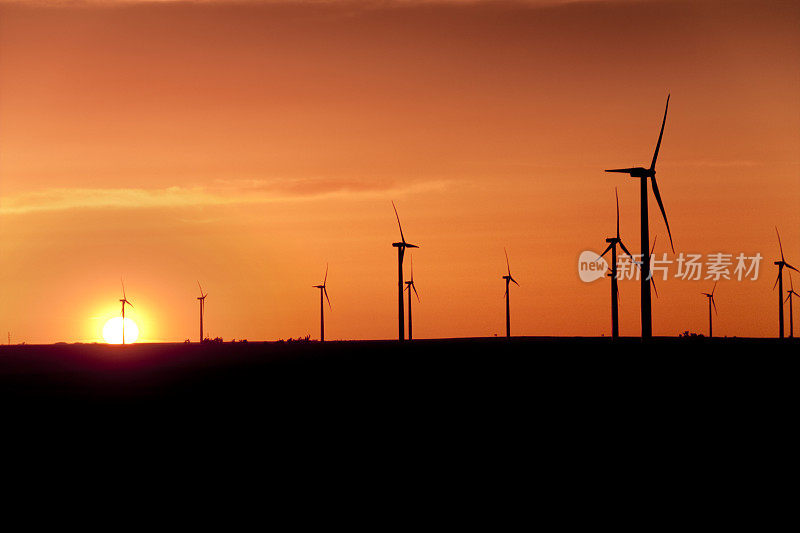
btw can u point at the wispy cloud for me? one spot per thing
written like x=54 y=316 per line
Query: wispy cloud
x=220 y=193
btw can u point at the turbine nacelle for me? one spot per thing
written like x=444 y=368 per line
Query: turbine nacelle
x=782 y=264
x=636 y=172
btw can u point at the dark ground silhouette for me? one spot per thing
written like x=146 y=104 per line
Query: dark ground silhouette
x=548 y=419
x=510 y=376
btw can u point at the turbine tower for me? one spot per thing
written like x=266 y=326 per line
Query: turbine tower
x=323 y=290
x=508 y=279
x=202 y=299
x=409 y=286
x=711 y=302
x=401 y=249
x=791 y=293
x=124 y=301
x=782 y=263
x=643 y=174
x=613 y=242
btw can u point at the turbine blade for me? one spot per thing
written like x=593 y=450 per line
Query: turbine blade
x=788 y=297
x=791 y=285
x=715 y=305
x=617 y=195
x=776 y=280
x=622 y=170
x=123 y=288
x=515 y=282
x=663 y=212
x=325 y=279
x=655 y=238
x=604 y=253
x=325 y=292
x=508 y=265
x=402 y=239
x=625 y=250
x=653 y=283
x=713 y=289
x=660 y=135
x=779 y=242
x=793 y=268
x=415 y=291
x=411 y=258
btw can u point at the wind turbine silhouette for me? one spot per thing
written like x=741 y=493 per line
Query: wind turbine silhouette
x=409 y=286
x=323 y=290
x=401 y=249
x=639 y=264
x=644 y=173
x=508 y=279
x=202 y=299
x=791 y=314
x=124 y=301
x=613 y=242
x=782 y=263
x=711 y=302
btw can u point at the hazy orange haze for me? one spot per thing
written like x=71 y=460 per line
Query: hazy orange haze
x=247 y=144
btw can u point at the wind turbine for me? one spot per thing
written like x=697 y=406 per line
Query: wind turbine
x=711 y=302
x=644 y=173
x=202 y=299
x=323 y=290
x=639 y=264
x=508 y=279
x=788 y=297
x=409 y=286
x=124 y=301
x=401 y=249
x=613 y=242
x=782 y=263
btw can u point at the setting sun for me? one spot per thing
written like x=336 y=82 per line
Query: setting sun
x=112 y=331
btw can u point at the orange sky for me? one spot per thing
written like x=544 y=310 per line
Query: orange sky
x=246 y=144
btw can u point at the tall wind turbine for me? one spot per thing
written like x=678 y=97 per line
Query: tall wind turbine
x=409 y=286
x=401 y=249
x=791 y=293
x=323 y=290
x=202 y=299
x=643 y=174
x=782 y=263
x=613 y=242
x=508 y=279
x=711 y=302
x=124 y=301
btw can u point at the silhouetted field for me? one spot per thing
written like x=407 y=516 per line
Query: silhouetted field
x=483 y=373
x=547 y=410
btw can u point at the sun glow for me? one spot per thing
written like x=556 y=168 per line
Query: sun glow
x=112 y=331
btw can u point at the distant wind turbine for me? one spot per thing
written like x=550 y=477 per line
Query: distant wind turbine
x=613 y=242
x=409 y=286
x=791 y=293
x=124 y=301
x=401 y=249
x=782 y=263
x=644 y=173
x=323 y=290
x=202 y=299
x=711 y=302
x=508 y=279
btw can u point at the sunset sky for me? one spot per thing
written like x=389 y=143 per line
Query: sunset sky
x=247 y=144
